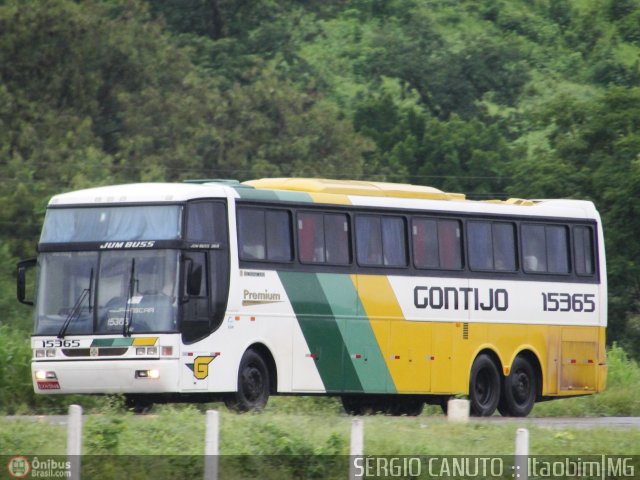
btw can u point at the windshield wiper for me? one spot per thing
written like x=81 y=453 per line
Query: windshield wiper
x=128 y=313
x=77 y=307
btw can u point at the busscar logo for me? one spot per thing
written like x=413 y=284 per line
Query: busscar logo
x=19 y=467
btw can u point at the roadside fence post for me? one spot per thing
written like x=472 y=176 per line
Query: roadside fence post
x=74 y=440
x=211 y=445
x=458 y=410
x=357 y=446
x=522 y=454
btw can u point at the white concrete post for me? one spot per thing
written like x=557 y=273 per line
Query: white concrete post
x=357 y=446
x=458 y=410
x=74 y=440
x=522 y=454
x=211 y=445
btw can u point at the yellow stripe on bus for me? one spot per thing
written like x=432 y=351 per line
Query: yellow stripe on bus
x=399 y=340
x=145 y=341
x=332 y=198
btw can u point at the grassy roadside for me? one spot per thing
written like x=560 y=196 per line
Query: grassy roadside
x=181 y=432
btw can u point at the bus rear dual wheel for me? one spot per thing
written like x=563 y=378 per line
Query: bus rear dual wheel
x=513 y=395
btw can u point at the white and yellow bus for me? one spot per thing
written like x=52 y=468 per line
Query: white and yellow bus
x=386 y=295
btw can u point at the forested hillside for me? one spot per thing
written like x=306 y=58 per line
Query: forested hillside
x=492 y=98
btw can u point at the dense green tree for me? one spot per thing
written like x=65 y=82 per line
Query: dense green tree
x=488 y=98
x=593 y=153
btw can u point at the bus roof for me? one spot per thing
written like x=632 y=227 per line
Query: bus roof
x=327 y=191
x=354 y=187
x=140 y=193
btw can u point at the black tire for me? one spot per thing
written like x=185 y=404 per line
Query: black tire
x=253 y=384
x=139 y=404
x=484 y=386
x=353 y=404
x=519 y=389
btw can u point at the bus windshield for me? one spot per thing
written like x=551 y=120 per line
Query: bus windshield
x=93 y=224
x=139 y=286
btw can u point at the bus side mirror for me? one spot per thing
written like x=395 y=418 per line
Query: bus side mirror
x=24 y=267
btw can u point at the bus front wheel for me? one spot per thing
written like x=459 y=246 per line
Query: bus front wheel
x=253 y=384
x=484 y=386
x=518 y=389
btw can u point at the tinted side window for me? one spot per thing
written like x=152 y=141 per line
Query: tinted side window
x=323 y=238
x=492 y=246
x=311 y=237
x=545 y=249
x=450 y=244
x=336 y=228
x=504 y=247
x=557 y=249
x=534 y=249
x=437 y=243
x=278 y=230
x=381 y=241
x=252 y=243
x=207 y=222
x=584 y=252
x=264 y=235
x=368 y=240
x=480 y=245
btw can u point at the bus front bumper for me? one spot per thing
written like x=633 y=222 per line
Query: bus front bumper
x=96 y=377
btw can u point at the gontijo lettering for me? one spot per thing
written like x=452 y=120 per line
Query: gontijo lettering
x=461 y=298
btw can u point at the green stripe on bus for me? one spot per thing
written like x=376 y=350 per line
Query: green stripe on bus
x=273 y=195
x=360 y=341
x=321 y=331
x=112 y=342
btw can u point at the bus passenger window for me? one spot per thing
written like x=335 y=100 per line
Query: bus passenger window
x=557 y=249
x=480 y=245
x=278 y=227
x=425 y=243
x=368 y=240
x=450 y=244
x=504 y=247
x=583 y=248
x=311 y=237
x=381 y=241
x=534 y=249
x=323 y=238
x=394 y=242
x=251 y=234
x=545 y=249
x=336 y=229
x=436 y=243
